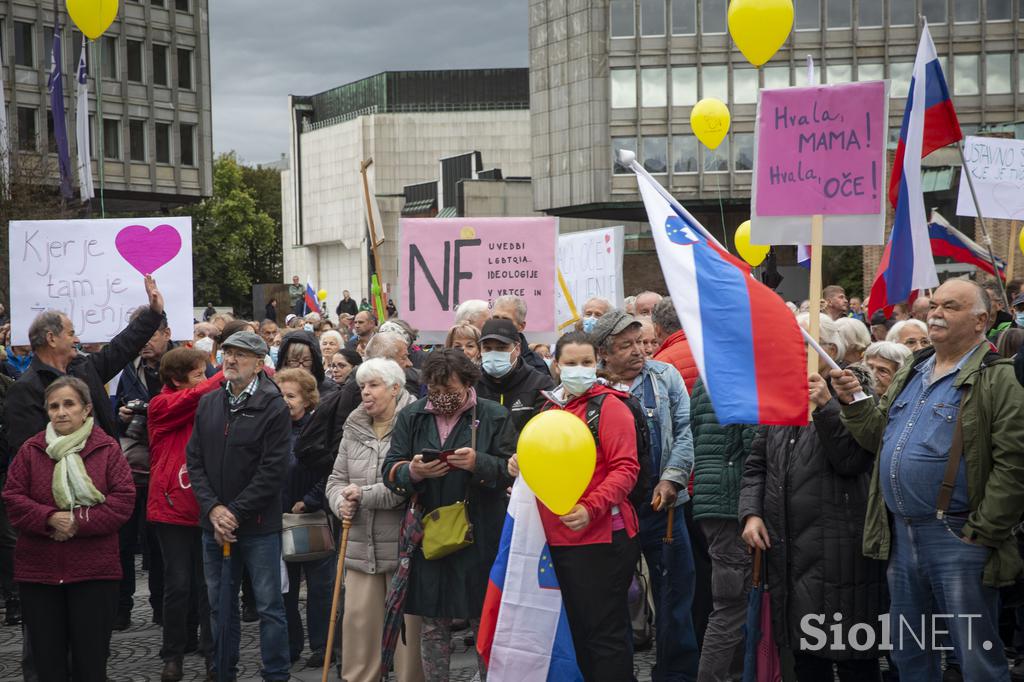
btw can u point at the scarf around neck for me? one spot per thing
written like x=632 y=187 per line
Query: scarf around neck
x=71 y=483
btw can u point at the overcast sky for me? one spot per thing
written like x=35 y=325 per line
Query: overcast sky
x=262 y=51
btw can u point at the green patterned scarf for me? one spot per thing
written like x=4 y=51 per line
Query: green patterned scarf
x=72 y=486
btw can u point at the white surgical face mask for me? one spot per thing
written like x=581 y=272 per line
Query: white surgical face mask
x=578 y=379
x=497 y=363
x=204 y=344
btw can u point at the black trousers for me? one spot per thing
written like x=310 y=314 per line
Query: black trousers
x=594 y=580
x=129 y=540
x=703 y=603
x=185 y=606
x=813 y=669
x=76 y=618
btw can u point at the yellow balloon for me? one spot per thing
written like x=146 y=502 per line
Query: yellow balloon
x=1020 y=240
x=556 y=458
x=92 y=17
x=752 y=253
x=760 y=27
x=322 y=295
x=710 y=121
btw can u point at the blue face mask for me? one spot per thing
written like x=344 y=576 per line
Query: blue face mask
x=588 y=324
x=1019 y=318
x=307 y=327
x=220 y=357
x=497 y=363
x=274 y=350
x=578 y=379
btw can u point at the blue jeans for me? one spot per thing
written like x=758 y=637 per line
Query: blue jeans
x=931 y=572
x=672 y=583
x=319 y=591
x=261 y=556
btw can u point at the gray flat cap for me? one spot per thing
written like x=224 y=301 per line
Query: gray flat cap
x=247 y=341
x=611 y=323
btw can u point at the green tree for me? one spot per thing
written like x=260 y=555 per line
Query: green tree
x=842 y=266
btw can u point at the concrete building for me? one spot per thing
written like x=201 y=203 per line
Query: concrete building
x=607 y=74
x=406 y=122
x=153 y=64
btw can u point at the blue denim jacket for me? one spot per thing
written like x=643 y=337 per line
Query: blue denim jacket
x=673 y=409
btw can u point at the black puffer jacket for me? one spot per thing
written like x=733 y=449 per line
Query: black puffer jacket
x=307 y=339
x=810 y=485
x=518 y=391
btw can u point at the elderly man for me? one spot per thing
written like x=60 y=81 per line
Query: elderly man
x=661 y=392
x=296 y=292
x=268 y=330
x=474 y=311
x=911 y=333
x=513 y=308
x=347 y=305
x=364 y=327
x=834 y=299
x=237 y=457
x=947 y=488
x=593 y=308
x=645 y=302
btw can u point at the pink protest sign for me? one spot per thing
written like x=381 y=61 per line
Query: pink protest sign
x=821 y=150
x=444 y=261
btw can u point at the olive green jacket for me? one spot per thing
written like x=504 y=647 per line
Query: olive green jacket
x=992 y=413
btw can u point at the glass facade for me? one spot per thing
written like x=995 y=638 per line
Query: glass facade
x=653 y=87
x=655 y=154
x=965 y=74
x=744 y=86
x=628 y=143
x=684 y=17
x=715 y=82
x=623 y=88
x=685 y=157
x=622 y=19
x=684 y=86
x=997 y=74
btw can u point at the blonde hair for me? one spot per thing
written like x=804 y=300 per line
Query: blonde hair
x=463 y=330
x=304 y=380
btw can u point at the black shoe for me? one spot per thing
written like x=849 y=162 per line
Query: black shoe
x=250 y=614
x=122 y=621
x=12 y=612
x=172 y=671
x=315 y=660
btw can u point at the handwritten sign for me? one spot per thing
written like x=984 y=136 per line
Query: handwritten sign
x=92 y=270
x=997 y=167
x=820 y=151
x=444 y=261
x=591 y=265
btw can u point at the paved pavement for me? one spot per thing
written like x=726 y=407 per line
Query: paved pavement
x=135 y=656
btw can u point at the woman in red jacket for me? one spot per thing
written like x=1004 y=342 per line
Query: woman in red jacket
x=172 y=507
x=68 y=491
x=594 y=546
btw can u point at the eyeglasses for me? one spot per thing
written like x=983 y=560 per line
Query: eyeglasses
x=308 y=362
x=238 y=354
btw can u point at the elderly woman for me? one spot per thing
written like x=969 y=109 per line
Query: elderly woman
x=911 y=333
x=476 y=439
x=884 y=359
x=648 y=337
x=342 y=364
x=330 y=343
x=356 y=491
x=68 y=491
x=465 y=337
x=856 y=338
x=803 y=497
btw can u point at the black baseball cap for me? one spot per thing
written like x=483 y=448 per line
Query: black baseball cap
x=500 y=330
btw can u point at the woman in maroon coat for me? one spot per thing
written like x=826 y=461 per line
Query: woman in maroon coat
x=68 y=491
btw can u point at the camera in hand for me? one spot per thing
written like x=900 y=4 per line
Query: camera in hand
x=137 y=427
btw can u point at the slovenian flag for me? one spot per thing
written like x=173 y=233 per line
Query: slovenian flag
x=949 y=242
x=310 y=299
x=929 y=123
x=524 y=633
x=745 y=341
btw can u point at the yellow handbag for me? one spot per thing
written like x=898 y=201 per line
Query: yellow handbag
x=447 y=529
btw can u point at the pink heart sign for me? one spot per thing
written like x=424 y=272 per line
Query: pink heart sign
x=148 y=250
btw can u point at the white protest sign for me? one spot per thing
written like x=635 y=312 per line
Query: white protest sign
x=93 y=270
x=591 y=265
x=997 y=168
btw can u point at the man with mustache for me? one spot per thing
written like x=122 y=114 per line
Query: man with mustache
x=947 y=487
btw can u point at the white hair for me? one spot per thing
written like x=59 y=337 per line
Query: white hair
x=894 y=333
x=893 y=352
x=392 y=327
x=827 y=331
x=518 y=305
x=385 y=345
x=382 y=369
x=331 y=334
x=312 y=318
x=470 y=310
x=855 y=334
x=608 y=305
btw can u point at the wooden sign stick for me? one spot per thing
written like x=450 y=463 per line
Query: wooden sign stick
x=813 y=322
x=1011 y=251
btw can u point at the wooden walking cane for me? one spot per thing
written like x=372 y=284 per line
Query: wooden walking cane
x=346 y=524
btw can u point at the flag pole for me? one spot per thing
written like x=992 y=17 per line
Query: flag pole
x=98 y=51
x=1011 y=250
x=984 y=228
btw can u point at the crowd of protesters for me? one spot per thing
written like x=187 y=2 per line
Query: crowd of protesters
x=173 y=446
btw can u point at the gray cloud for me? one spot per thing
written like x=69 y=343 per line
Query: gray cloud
x=262 y=51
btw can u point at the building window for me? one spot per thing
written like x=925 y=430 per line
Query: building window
x=715 y=82
x=934 y=11
x=160 y=76
x=839 y=73
x=902 y=13
x=899 y=75
x=965 y=74
x=840 y=13
x=157 y=3
x=76 y=53
x=163 y=142
x=184 y=69
x=135 y=69
x=997 y=74
x=717 y=160
x=998 y=10
x=137 y=140
x=109 y=47
x=655 y=154
x=47 y=56
x=870 y=72
x=684 y=86
x=51 y=138
x=744 y=86
x=622 y=19
x=869 y=13
x=111 y=138
x=187 y=144
x=623 y=88
x=23 y=52
x=27 y=132
x=808 y=15
x=653 y=88
x=776 y=77
x=684 y=17
x=684 y=154
x=743 y=151
x=652 y=18
x=627 y=143
x=181 y=5
x=966 y=11
x=713 y=14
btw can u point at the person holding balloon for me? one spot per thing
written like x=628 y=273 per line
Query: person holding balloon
x=594 y=541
